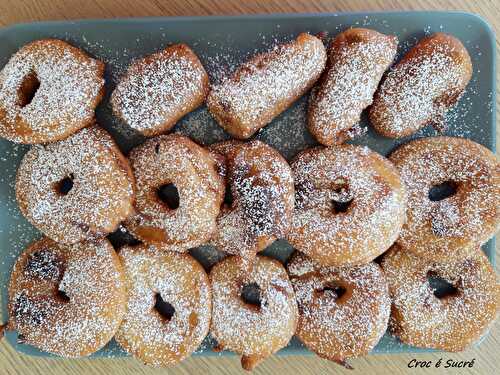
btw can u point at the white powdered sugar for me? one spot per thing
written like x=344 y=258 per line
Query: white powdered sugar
x=352 y=175
x=176 y=160
x=266 y=85
x=353 y=73
x=339 y=325
x=261 y=184
x=181 y=282
x=94 y=304
x=70 y=87
x=159 y=89
x=420 y=89
x=452 y=226
x=451 y=322
x=101 y=193
x=248 y=329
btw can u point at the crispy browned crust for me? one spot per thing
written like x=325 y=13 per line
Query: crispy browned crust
x=395 y=120
x=65 y=228
x=188 y=291
x=452 y=227
x=141 y=67
x=44 y=320
x=362 y=56
x=335 y=326
x=251 y=338
x=19 y=129
x=242 y=122
x=251 y=162
x=452 y=322
x=370 y=226
x=193 y=222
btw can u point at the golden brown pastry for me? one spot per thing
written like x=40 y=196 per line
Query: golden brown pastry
x=343 y=311
x=169 y=305
x=76 y=189
x=179 y=193
x=266 y=85
x=158 y=90
x=422 y=87
x=67 y=300
x=48 y=90
x=350 y=204
x=357 y=59
x=450 y=319
x=254 y=326
x=449 y=226
x=260 y=183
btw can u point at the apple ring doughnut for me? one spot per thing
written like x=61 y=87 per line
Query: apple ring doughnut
x=261 y=186
x=266 y=85
x=169 y=305
x=422 y=87
x=357 y=59
x=450 y=320
x=449 y=226
x=350 y=204
x=187 y=217
x=76 y=189
x=67 y=300
x=343 y=311
x=257 y=327
x=48 y=90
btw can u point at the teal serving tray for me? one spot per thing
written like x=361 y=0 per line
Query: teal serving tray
x=222 y=43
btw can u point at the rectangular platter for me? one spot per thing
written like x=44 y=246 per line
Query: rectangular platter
x=222 y=43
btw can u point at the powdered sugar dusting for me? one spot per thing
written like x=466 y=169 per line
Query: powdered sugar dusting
x=449 y=323
x=266 y=85
x=357 y=60
x=159 y=89
x=174 y=159
x=262 y=188
x=421 y=88
x=345 y=174
x=453 y=226
x=101 y=195
x=244 y=328
x=180 y=281
x=70 y=88
x=339 y=327
x=288 y=133
x=91 y=279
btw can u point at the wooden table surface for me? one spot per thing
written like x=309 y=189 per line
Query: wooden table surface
x=14 y=11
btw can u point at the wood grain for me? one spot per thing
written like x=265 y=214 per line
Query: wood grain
x=15 y=11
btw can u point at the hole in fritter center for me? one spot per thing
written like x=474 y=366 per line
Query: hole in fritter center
x=169 y=195
x=441 y=287
x=339 y=207
x=334 y=290
x=64 y=186
x=165 y=309
x=341 y=196
x=442 y=191
x=28 y=89
x=61 y=294
x=250 y=294
x=228 y=197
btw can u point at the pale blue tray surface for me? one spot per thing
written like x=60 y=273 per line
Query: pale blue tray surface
x=221 y=43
